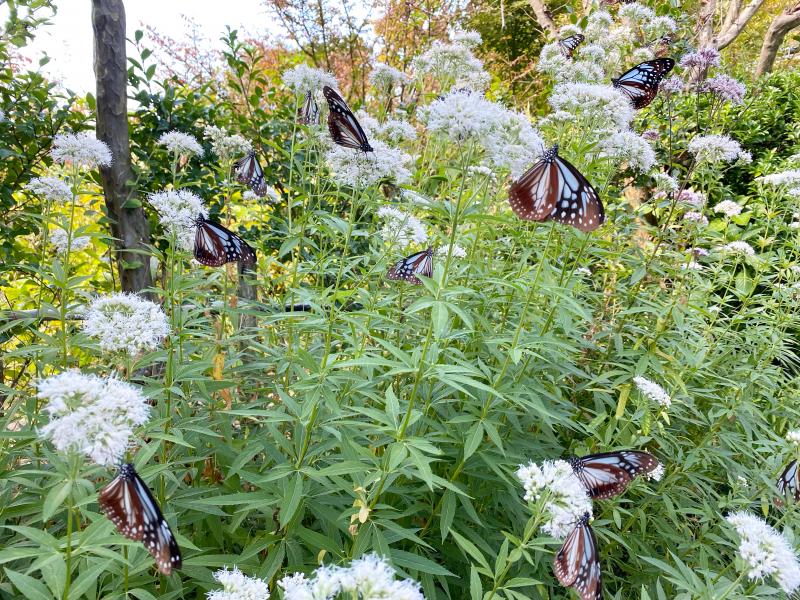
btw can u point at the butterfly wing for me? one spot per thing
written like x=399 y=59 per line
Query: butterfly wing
x=640 y=84
x=554 y=189
x=249 y=172
x=130 y=506
x=577 y=565
x=308 y=113
x=342 y=123
x=787 y=482
x=568 y=45
x=407 y=269
x=608 y=474
x=215 y=245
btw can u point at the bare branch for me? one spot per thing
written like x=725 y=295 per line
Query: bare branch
x=543 y=16
x=728 y=34
x=782 y=24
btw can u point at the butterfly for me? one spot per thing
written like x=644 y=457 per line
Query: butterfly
x=308 y=113
x=568 y=45
x=640 y=84
x=407 y=269
x=607 y=474
x=787 y=482
x=343 y=125
x=130 y=506
x=553 y=189
x=249 y=172
x=215 y=245
x=576 y=564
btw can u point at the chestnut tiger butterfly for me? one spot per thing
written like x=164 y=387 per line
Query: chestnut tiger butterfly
x=640 y=84
x=553 y=189
x=407 y=269
x=787 y=482
x=308 y=113
x=608 y=474
x=342 y=123
x=130 y=506
x=215 y=245
x=577 y=565
x=568 y=44
x=249 y=172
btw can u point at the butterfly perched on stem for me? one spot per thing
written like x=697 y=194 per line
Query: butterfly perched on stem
x=249 y=172
x=342 y=123
x=640 y=84
x=130 y=506
x=308 y=113
x=608 y=474
x=577 y=565
x=787 y=483
x=568 y=44
x=407 y=269
x=215 y=245
x=553 y=189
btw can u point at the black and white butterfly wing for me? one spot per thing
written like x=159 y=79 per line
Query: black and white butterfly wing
x=568 y=44
x=407 y=269
x=342 y=123
x=249 y=172
x=130 y=506
x=553 y=189
x=215 y=245
x=787 y=482
x=608 y=474
x=640 y=84
x=308 y=113
x=577 y=564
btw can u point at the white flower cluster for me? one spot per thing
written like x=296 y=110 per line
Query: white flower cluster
x=790 y=179
x=653 y=391
x=729 y=208
x=457 y=252
x=765 y=551
x=238 y=586
x=692 y=198
x=81 y=149
x=695 y=217
x=716 y=148
x=91 y=415
x=302 y=79
x=180 y=143
x=514 y=143
x=454 y=63
x=360 y=169
x=604 y=107
x=460 y=115
x=60 y=241
x=566 y=499
x=585 y=68
x=50 y=188
x=369 y=577
x=226 y=146
x=178 y=211
x=631 y=148
x=665 y=183
x=391 y=131
x=793 y=436
x=484 y=171
x=125 y=323
x=386 y=78
x=469 y=37
x=400 y=227
x=738 y=247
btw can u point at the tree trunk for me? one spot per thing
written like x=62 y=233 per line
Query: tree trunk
x=543 y=16
x=128 y=224
x=780 y=26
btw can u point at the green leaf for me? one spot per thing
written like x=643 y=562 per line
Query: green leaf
x=291 y=500
x=54 y=500
x=29 y=587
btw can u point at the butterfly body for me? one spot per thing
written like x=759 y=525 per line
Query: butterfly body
x=553 y=189
x=577 y=565
x=130 y=506
x=568 y=44
x=608 y=474
x=640 y=84
x=787 y=482
x=249 y=172
x=342 y=123
x=215 y=245
x=308 y=113
x=407 y=269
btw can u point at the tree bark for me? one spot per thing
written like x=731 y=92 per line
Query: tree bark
x=128 y=224
x=782 y=24
x=543 y=16
x=735 y=22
